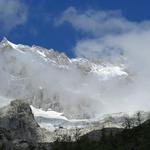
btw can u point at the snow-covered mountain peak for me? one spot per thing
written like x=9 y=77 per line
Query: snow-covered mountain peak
x=5 y=42
x=61 y=60
x=65 y=81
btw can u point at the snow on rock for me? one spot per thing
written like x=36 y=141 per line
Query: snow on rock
x=108 y=71
x=41 y=53
x=60 y=60
x=47 y=114
x=5 y=42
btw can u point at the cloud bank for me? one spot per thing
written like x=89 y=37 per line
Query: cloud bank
x=109 y=35
x=102 y=30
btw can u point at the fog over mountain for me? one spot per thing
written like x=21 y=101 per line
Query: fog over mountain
x=107 y=34
x=74 y=75
x=79 y=88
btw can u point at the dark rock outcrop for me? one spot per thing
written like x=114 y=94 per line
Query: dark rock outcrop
x=18 y=118
x=18 y=128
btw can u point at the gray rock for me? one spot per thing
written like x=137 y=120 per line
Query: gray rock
x=18 y=128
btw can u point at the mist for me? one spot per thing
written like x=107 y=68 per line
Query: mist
x=108 y=35
x=25 y=75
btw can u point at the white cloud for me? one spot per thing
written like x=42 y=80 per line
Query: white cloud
x=108 y=33
x=105 y=29
x=97 y=23
x=12 y=14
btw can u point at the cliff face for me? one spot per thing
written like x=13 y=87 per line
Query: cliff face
x=18 y=118
x=18 y=128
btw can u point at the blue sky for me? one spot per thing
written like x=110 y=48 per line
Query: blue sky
x=43 y=22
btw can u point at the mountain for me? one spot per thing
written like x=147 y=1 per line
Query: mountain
x=19 y=130
x=54 y=121
x=62 y=98
x=60 y=60
x=48 y=79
